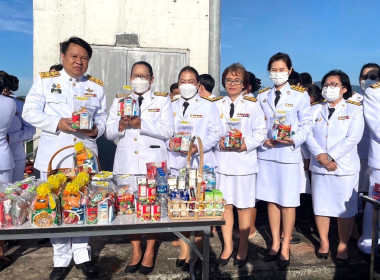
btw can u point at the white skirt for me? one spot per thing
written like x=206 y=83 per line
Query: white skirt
x=237 y=190
x=335 y=196
x=279 y=183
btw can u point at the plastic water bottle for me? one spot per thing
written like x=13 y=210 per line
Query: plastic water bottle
x=212 y=178
x=162 y=192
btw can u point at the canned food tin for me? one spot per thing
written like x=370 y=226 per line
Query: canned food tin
x=152 y=194
x=138 y=209
x=155 y=212
x=92 y=214
x=145 y=212
x=143 y=192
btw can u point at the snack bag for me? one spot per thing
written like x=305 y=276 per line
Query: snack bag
x=82 y=117
x=233 y=138
x=126 y=106
x=280 y=129
x=84 y=159
x=182 y=137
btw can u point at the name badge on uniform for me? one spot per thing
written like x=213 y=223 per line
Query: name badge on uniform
x=281 y=112
x=154 y=110
x=243 y=115
x=87 y=94
x=343 y=118
x=56 y=88
x=288 y=105
x=196 y=116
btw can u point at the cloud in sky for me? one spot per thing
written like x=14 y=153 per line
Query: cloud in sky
x=16 y=16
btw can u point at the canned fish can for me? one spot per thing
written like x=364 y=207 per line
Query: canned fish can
x=145 y=212
x=138 y=209
x=152 y=194
x=155 y=213
x=121 y=108
x=143 y=192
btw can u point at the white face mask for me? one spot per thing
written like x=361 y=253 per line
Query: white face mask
x=279 y=78
x=187 y=90
x=331 y=94
x=140 y=85
x=366 y=83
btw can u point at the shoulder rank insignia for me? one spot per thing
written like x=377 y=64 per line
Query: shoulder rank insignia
x=264 y=89
x=19 y=98
x=164 y=94
x=377 y=85
x=315 y=103
x=354 y=102
x=175 y=100
x=95 y=80
x=353 y=93
x=51 y=74
x=122 y=95
x=217 y=98
x=300 y=89
x=208 y=98
x=250 y=98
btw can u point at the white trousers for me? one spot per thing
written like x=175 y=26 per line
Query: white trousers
x=18 y=170
x=365 y=241
x=66 y=248
x=6 y=176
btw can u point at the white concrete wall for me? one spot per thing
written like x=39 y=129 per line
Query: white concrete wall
x=182 y=24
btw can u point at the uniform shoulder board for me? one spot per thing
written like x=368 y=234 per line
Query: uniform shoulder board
x=264 y=89
x=95 y=80
x=300 y=89
x=164 y=94
x=354 y=102
x=51 y=74
x=19 y=98
x=208 y=98
x=353 y=93
x=250 y=98
x=315 y=103
x=122 y=95
x=217 y=98
x=377 y=85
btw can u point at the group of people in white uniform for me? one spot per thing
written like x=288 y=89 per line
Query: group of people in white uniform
x=262 y=168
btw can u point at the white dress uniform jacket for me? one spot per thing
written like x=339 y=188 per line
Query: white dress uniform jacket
x=203 y=115
x=295 y=103
x=136 y=147
x=254 y=132
x=19 y=132
x=337 y=136
x=371 y=113
x=52 y=98
x=8 y=110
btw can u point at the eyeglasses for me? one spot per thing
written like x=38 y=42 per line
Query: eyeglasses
x=366 y=77
x=144 y=77
x=236 y=81
x=332 y=85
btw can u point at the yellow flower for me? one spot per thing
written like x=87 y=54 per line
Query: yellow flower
x=79 y=146
x=62 y=178
x=72 y=187
x=44 y=189
x=84 y=177
x=54 y=182
x=52 y=203
x=89 y=154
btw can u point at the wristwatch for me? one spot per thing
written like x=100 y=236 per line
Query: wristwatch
x=329 y=158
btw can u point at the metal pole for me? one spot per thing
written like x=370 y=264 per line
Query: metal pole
x=214 y=44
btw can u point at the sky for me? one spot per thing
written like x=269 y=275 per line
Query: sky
x=319 y=35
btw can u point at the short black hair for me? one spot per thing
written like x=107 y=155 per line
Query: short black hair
x=344 y=79
x=305 y=79
x=8 y=81
x=314 y=91
x=56 y=67
x=294 y=78
x=370 y=65
x=143 y=63
x=233 y=69
x=173 y=87
x=254 y=82
x=207 y=81
x=78 y=41
x=189 y=69
x=280 y=56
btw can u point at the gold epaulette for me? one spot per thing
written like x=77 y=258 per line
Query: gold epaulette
x=264 y=89
x=175 y=100
x=354 y=102
x=19 y=98
x=353 y=93
x=51 y=74
x=315 y=103
x=377 y=85
x=95 y=80
x=164 y=94
x=300 y=89
x=208 y=98
x=122 y=95
x=217 y=98
x=250 y=98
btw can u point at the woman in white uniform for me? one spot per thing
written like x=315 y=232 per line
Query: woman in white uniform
x=335 y=162
x=237 y=169
x=278 y=181
x=19 y=130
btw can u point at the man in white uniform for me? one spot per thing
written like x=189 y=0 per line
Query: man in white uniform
x=49 y=107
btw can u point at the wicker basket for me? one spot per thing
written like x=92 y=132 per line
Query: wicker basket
x=194 y=210
x=69 y=172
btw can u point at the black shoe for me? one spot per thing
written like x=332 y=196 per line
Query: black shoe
x=89 y=270
x=58 y=273
x=270 y=258
x=132 y=268
x=296 y=239
x=284 y=263
x=223 y=262
x=240 y=263
x=179 y=262
x=322 y=256
x=185 y=266
x=342 y=262
x=146 y=269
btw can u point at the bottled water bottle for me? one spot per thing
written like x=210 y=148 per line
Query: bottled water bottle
x=162 y=192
